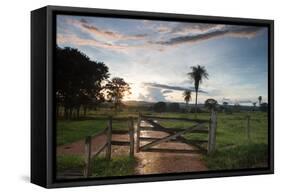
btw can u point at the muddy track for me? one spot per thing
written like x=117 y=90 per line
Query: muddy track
x=156 y=162
x=147 y=162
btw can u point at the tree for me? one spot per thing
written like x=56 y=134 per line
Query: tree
x=160 y=107
x=187 y=97
x=260 y=100
x=264 y=107
x=254 y=105
x=211 y=104
x=174 y=107
x=225 y=104
x=78 y=80
x=197 y=74
x=237 y=107
x=116 y=90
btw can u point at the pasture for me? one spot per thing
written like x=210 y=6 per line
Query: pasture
x=233 y=148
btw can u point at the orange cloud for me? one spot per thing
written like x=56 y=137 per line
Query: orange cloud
x=113 y=35
x=124 y=48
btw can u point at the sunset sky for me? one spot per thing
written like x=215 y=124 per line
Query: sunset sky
x=155 y=56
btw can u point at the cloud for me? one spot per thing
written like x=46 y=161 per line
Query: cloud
x=179 y=28
x=175 y=34
x=142 y=97
x=185 y=28
x=186 y=82
x=167 y=91
x=75 y=40
x=85 y=26
x=152 y=95
x=226 y=99
x=169 y=87
x=110 y=40
x=157 y=26
x=234 y=31
x=163 y=29
x=155 y=94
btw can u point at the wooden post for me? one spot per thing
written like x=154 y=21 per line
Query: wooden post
x=212 y=132
x=109 y=135
x=248 y=127
x=138 y=133
x=131 y=132
x=209 y=135
x=88 y=145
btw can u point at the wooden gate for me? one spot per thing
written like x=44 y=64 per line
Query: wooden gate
x=108 y=131
x=175 y=134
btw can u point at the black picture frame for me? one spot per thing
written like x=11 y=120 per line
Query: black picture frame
x=43 y=29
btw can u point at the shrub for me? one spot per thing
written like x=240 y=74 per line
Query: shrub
x=174 y=107
x=160 y=107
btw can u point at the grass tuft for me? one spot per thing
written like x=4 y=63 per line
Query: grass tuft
x=239 y=157
x=69 y=162
x=117 y=166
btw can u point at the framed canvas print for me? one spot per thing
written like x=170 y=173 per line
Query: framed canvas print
x=125 y=96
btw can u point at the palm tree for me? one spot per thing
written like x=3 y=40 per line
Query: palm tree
x=197 y=74
x=260 y=99
x=187 y=97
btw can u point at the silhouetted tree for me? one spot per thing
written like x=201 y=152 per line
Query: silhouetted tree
x=116 y=90
x=260 y=99
x=237 y=107
x=264 y=107
x=211 y=104
x=187 y=97
x=174 y=107
x=197 y=74
x=254 y=105
x=78 y=80
x=160 y=107
x=225 y=104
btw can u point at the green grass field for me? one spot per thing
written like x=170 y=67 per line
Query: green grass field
x=117 y=166
x=71 y=131
x=233 y=149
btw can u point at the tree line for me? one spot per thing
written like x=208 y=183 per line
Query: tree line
x=82 y=83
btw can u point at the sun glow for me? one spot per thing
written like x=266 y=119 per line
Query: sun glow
x=136 y=90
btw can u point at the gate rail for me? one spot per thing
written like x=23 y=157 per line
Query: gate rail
x=108 y=131
x=175 y=134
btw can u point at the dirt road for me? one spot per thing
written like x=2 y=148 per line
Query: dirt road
x=147 y=162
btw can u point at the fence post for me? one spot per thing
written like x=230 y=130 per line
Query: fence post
x=138 y=133
x=88 y=145
x=209 y=135
x=109 y=134
x=248 y=127
x=212 y=132
x=131 y=132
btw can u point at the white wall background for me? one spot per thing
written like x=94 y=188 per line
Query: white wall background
x=15 y=94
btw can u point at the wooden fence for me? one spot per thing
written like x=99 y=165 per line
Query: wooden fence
x=107 y=146
x=175 y=134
